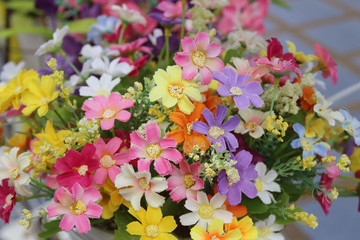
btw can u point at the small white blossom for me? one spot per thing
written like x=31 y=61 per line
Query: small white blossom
x=211 y=4
x=10 y=70
x=114 y=68
x=265 y=183
x=54 y=44
x=91 y=52
x=129 y=15
x=267 y=230
x=96 y=87
x=155 y=35
x=253 y=123
x=323 y=110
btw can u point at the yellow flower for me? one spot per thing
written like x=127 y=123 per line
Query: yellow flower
x=300 y=56
x=355 y=160
x=316 y=128
x=245 y=225
x=173 y=90
x=215 y=230
x=152 y=225
x=39 y=96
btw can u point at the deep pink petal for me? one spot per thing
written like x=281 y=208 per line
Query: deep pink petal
x=195 y=168
x=121 y=158
x=167 y=143
x=125 y=103
x=57 y=209
x=67 y=222
x=152 y=133
x=162 y=166
x=183 y=59
x=100 y=176
x=100 y=146
x=172 y=154
x=113 y=145
x=114 y=98
x=123 y=116
x=137 y=139
x=82 y=223
x=213 y=50
x=113 y=172
x=144 y=165
x=93 y=211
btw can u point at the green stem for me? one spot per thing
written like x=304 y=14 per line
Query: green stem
x=228 y=113
x=41 y=184
x=276 y=84
x=182 y=22
x=62 y=53
x=210 y=23
x=162 y=53
x=60 y=117
x=350 y=178
x=167 y=48
x=122 y=33
x=33 y=197
x=336 y=138
x=289 y=154
x=113 y=132
x=311 y=121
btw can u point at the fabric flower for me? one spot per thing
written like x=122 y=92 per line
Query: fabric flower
x=235 y=86
x=323 y=110
x=326 y=63
x=154 y=148
x=203 y=210
x=7 y=200
x=10 y=70
x=77 y=167
x=215 y=230
x=245 y=225
x=129 y=16
x=254 y=122
x=216 y=131
x=265 y=183
x=173 y=90
x=108 y=109
x=199 y=54
x=115 y=68
x=53 y=45
x=96 y=87
x=234 y=183
x=104 y=24
x=76 y=205
x=267 y=229
x=184 y=183
x=324 y=199
x=133 y=185
x=351 y=125
x=167 y=13
x=152 y=224
x=131 y=47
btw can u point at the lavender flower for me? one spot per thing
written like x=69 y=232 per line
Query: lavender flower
x=104 y=24
x=216 y=131
x=243 y=93
x=233 y=183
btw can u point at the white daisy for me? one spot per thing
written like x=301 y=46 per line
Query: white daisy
x=323 y=110
x=73 y=82
x=267 y=229
x=10 y=70
x=129 y=15
x=253 y=123
x=91 y=52
x=265 y=183
x=54 y=44
x=133 y=185
x=204 y=211
x=114 y=68
x=97 y=87
x=155 y=35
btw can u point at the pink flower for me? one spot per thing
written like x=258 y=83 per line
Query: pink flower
x=77 y=206
x=109 y=159
x=244 y=66
x=108 y=109
x=327 y=63
x=199 y=54
x=131 y=47
x=77 y=167
x=278 y=66
x=332 y=170
x=153 y=148
x=184 y=183
x=170 y=10
x=7 y=200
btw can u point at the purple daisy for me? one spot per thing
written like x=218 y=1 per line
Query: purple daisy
x=243 y=93
x=239 y=182
x=216 y=131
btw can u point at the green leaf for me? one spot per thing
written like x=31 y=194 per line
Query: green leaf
x=254 y=206
x=22 y=6
x=6 y=33
x=281 y=3
x=122 y=219
x=298 y=118
x=51 y=229
x=230 y=54
x=81 y=26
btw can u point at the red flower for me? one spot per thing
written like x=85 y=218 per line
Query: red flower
x=7 y=200
x=325 y=201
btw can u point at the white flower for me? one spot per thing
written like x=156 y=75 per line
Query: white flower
x=204 y=211
x=114 y=68
x=10 y=70
x=253 y=42
x=266 y=229
x=211 y=4
x=54 y=44
x=97 y=87
x=133 y=185
x=156 y=34
x=91 y=52
x=253 y=122
x=12 y=167
x=323 y=110
x=73 y=82
x=129 y=15
x=265 y=183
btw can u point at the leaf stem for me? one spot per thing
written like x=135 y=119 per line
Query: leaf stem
x=350 y=178
x=122 y=33
x=183 y=2
x=62 y=53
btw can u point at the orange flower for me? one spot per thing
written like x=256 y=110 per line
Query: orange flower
x=245 y=225
x=185 y=134
x=308 y=99
x=212 y=101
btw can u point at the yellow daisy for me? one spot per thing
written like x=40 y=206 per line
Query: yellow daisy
x=300 y=56
x=215 y=230
x=245 y=225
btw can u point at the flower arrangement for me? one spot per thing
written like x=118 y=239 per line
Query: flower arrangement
x=173 y=120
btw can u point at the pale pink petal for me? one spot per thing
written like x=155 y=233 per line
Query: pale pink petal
x=205 y=75
x=136 y=152
x=125 y=103
x=174 y=182
x=178 y=194
x=190 y=71
x=107 y=124
x=191 y=194
x=144 y=165
x=57 y=209
x=183 y=59
x=123 y=116
x=113 y=145
x=162 y=166
x=167 y=143
x=63 y=196
x=172 y=154
x=113 y=172
x=102 y=101
x=215 y=64
x=91 y=195
x=93 y=211
x=67 y=222
x=100 y=176
x=213 y=50
x=199 y=184
x=188 y=44
x=82 y=223
x=152 y=132
x=137 y=139
x=121 y=158
x=202 y=40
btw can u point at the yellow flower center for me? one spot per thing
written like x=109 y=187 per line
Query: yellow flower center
x=259 y=185
x=206 y=211
x=78 y=208
x=252 y=126
x=198 y=58
x=189 y=182
x=215 y=132
x=108 y=114
x=144 y=184
x=106 y=161
x=350 y=129
x=82 y=170
x=236 y=91
x=14 y=173
x=44 y=101
x=263 y=232
x=306 y=145
x=233 y=177
x=153 y=150
x=8 y=200
x=152 y=231
x=189 y=128
x=102 y=92
x=176 y=90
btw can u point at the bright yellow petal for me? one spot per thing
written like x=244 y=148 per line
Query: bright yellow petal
x=48 y=85
x=29 y=110
x=193 y=93
x=166 y=236
x=54 y=95
x=34 y=88
x=198 y=233
x=135 y=228
x=216 y=226
x=29 y=99
x=174 y=72
x=169 y=101
x=161 y=77
x=167 y=224
x=233 y=235
x=139 y=215
x=185 y=105
x=291 y=46
x=43 y=110
x=251 y=234
x=157 y=92
x=153 y=215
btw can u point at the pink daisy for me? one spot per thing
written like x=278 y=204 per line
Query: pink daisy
x=327 y=63
x=153 y=148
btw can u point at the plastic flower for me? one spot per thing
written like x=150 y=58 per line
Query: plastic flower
x=267 y=230
x=152 y=224
x=185 y=134
x=129 y=16
x=321 y=196
x=323 y=110
x=235 y=86
x=77 y=167
x=217 y=131
x=154 y=148
x=254 y=122
x=109 y=159
x=108 y=109
x=10 y=70
x=7 y=200
x=76 y=205
x=234 y=183
x=131 y=47
x=115 y=68
x=12 y=166
x=39 y=96
x=96 y=87
x=351 y=125
x=265 y=183
x=199 y=54
x=185 y=183
x=203 y=210
x=215 y=230
x=245 y=225
x=300 y=56
x=210 y=4
x=326 y=63
x=167 y=13
x=173 y=90
x=242 y=66
x=54 y=44
x=105 y=24
x=310 y=146
x=133 y=185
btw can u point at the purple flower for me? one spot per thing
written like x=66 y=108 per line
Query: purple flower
x=235 y=86
x=239 y=182
x=216 y=131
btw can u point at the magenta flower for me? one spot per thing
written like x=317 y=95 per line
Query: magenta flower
x=199 y=55
x=110 y=160
x=77 y=206
x=108 y=109
x=184 y=182
x=77 y=167
x=327 y=63
x=7 y=200
x=153 y=148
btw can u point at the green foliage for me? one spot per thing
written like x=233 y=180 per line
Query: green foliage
x=282 y=4
x=230 y=54
x=51 y=229
x=21 y=6
x=254 y=206
x=298 y=118
x=122 y=219
x=6 y=33
x=81 y=25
